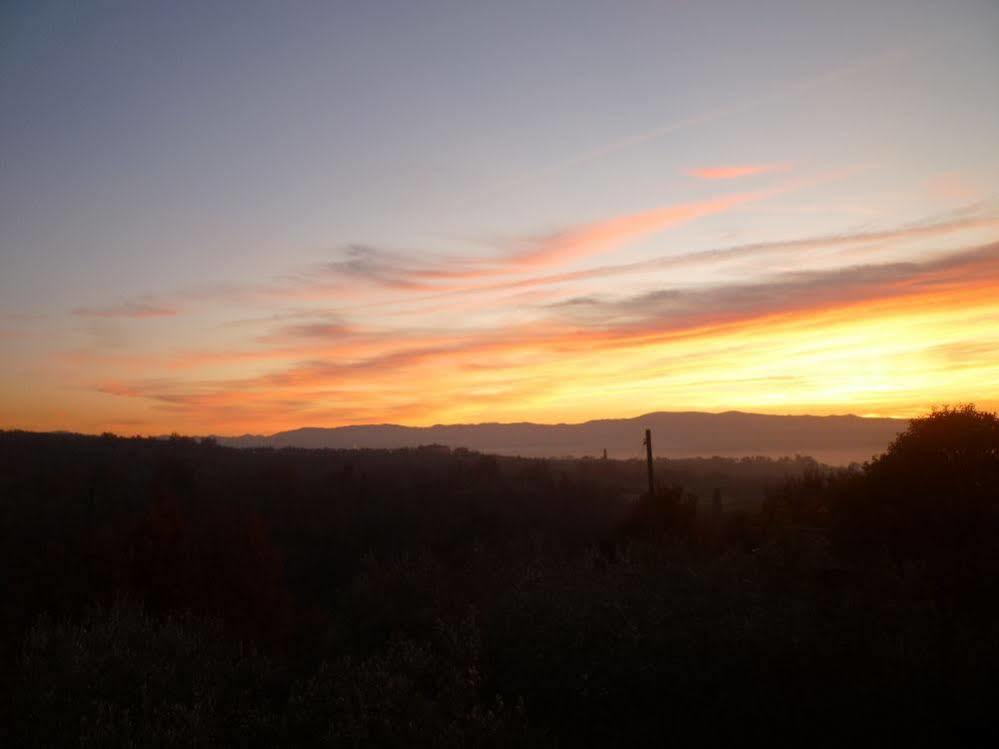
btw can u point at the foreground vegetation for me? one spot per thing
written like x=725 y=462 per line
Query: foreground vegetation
x=174 y=592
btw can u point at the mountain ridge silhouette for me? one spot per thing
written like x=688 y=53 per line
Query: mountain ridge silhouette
x=836 y=439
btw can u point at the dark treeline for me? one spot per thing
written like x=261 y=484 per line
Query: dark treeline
x=175 y=592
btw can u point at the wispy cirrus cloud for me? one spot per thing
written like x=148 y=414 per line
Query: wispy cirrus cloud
x=397 y=269
x=735 y=171
x=786 y=293
x=740 y=252
x=474 y=369
x=308 y=332
x=584 y=241
x=359 y=267
x=890 y=56
x=133 y=309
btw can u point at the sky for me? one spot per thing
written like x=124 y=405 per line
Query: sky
x=221 y=218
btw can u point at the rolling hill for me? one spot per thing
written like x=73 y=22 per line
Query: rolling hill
x=836 y=440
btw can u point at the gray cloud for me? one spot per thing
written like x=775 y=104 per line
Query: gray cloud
x=786 y=292
x=131 y=309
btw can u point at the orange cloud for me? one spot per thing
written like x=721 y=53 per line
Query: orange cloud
x=883 y=337
x=734 y=172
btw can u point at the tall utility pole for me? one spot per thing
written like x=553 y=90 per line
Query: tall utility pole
x=648 y=460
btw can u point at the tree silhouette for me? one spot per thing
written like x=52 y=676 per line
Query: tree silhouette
x=933 y=499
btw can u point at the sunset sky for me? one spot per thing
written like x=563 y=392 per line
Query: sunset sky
x=248 y=217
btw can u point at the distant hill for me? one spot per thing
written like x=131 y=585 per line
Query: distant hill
x=836 y=440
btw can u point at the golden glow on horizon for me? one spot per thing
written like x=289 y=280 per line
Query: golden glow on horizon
x=891 y=356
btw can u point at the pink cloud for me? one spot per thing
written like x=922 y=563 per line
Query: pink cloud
x=735 y=171
x=567 y=245
x=951 y=185
x=889 y=56
x=364 y=267
x=601 y=235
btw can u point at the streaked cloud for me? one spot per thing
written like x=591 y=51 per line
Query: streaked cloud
x=734 y=172
x=885 y=58
x=788 y=293
x=359 y=266
x=741 y=252
x=137 y=310
x=593 y=238
x=805 y=328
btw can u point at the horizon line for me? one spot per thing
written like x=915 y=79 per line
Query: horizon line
x=469 y=424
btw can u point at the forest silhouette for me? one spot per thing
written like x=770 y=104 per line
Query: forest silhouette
x=177 y=592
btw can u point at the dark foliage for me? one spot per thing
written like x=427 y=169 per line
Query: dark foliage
x=175 y=592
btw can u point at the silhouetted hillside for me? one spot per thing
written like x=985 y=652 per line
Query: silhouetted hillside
x=836 y=440
x=175 y=592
